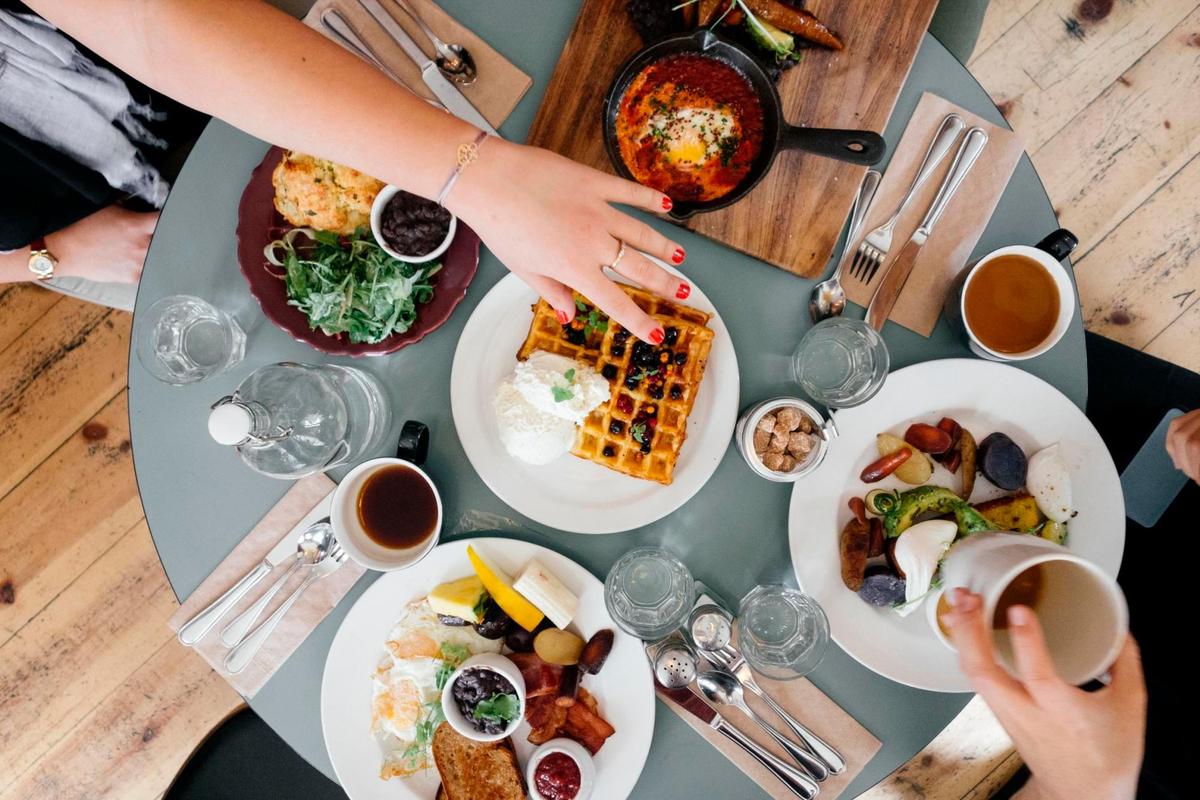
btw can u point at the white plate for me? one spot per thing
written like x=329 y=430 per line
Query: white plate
x=624 y=688
x=571 y=494
x=983 y=397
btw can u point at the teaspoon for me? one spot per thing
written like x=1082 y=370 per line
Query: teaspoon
x=723 y=688
x=828 y=297
x=453 y=60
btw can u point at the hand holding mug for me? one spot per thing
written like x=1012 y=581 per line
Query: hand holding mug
x=1075 y=743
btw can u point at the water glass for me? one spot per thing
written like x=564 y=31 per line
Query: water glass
x=649 y=592
x=183 y=339
x=841 y=362
x=783 y=633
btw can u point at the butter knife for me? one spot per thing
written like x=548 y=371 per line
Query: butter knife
x=896 y=275
x=800 y=784
x=445 y=91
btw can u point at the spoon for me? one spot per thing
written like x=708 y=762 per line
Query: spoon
x=723 y=688
x=712 y=631
x=310 y=548
x=453 y=60
x=828 y=298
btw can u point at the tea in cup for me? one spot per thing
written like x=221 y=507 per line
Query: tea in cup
x=387 y=514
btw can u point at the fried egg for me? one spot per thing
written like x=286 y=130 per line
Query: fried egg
x=404 y=686
x=690 y=136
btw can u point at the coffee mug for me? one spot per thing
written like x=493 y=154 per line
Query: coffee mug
x=1081 y=609
x=349 y=525
x=1048 y=254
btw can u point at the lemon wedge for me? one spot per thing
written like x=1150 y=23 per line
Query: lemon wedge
x=499 y=586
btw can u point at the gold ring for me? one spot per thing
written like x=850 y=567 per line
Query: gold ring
x=620 y=255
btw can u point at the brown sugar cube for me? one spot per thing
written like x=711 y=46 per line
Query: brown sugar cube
x=787 y=464
x=788 y=418
x=806 y=424
x=799 y=444
x=773 y=460
x=778 y=444
x=761 y=440
x=767 y=423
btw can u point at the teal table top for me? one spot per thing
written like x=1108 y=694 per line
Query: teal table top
x=200 y=500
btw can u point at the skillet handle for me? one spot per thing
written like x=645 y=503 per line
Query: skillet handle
x=856 y=147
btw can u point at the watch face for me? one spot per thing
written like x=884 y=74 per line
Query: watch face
x=41 y=265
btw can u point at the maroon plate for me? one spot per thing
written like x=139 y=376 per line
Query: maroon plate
x=259 y=223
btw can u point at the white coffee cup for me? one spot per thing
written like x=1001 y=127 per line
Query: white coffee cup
x=343 y=516
x=1080 y=607
x=1049 y=254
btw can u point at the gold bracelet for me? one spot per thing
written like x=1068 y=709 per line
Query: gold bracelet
x=467 y=153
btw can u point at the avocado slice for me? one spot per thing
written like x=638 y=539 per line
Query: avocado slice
x=933 y=500
x=770 y=38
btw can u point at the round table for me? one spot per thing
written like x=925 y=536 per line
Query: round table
x=200 y=500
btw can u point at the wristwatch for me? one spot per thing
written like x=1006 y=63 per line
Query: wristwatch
x=41 y=262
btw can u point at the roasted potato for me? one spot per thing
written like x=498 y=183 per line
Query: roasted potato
x=916 y=470
x=1018 y=512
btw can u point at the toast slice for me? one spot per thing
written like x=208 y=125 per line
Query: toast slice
x=476 y=770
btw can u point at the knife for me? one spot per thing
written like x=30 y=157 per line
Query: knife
x=894 y=278
x=195 y=628
x=442 y=88
x=801 y=785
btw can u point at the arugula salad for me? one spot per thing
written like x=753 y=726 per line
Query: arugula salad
x=349 y=285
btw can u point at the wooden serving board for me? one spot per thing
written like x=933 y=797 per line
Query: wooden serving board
x=793 y=217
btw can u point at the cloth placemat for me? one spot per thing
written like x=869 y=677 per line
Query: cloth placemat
x=958 y=231
x=305 y=503
x=806 y=703
x=495 y=93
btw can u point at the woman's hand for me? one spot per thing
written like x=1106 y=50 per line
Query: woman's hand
x=1183 y=444
x=549 y=220
x=109 y=245
x=1077 y=744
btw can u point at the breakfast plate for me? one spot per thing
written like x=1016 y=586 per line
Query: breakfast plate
x=983 y=397
x=570 y=493
x=259 y=223
x=623 y=688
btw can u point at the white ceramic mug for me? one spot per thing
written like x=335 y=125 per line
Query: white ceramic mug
x=343 y=516
x=1049 y=253
x=1080 y=607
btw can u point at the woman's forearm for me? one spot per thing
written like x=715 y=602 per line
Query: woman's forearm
x=274 y=77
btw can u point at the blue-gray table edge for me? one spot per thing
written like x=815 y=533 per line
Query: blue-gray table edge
x=199 y=500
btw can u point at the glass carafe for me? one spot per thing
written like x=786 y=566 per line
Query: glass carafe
x=289 y=420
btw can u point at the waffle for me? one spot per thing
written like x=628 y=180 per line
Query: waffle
x=619 y=434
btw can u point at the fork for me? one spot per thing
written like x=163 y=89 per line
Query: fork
x=875 y=246
x=731 y=660
x=240 y=657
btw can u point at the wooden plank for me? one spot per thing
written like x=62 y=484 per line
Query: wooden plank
x=793 y=217
x=1124 y=146
x=1000 y=17
x=1180 y=342
x=21 y=306
x=959 y=759
x=66 y=514
x=136 y=740
x=79 y=649
x=1056 y=59
x=54 y=378
x=1147 y=271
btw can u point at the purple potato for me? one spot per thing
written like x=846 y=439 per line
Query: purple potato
x=1002 y=462
x=495 y=623
x=882 y=588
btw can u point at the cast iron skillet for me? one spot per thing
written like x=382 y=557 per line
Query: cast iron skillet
x=856 y=147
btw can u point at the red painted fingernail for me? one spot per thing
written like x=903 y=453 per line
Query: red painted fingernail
x=656 y=336
x=563 y=319
x=667 y=204
x=683 y=291
x=677 y=256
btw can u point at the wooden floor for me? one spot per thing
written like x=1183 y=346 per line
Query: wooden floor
x=97 y=700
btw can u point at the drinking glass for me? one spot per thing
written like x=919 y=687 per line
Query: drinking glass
x=783 y=633
x=841 y=362
x=649 y=592
x=182 y=339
